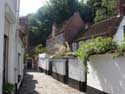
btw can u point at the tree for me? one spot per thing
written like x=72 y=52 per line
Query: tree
x=61 y=10
x=103 y=9
x=55 y=11
x=40 y=27
x=34 y=53
x=85 y=12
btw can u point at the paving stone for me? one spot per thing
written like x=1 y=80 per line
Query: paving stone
x=40 y=83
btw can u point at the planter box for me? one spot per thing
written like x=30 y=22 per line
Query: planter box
x=106 y=75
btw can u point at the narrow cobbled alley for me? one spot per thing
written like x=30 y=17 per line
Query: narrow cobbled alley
x=40 y=83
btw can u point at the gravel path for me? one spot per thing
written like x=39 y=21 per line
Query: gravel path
x=40 y=83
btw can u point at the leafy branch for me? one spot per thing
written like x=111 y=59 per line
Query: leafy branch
x=95 y=46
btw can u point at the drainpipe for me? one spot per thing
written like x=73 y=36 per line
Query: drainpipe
x=17 y=27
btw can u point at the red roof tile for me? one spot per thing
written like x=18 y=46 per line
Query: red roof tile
x=105 y=28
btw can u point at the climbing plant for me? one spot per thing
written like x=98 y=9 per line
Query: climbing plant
x=95 y=46
x=63 y=51
x=34 y=52
x=121 y=49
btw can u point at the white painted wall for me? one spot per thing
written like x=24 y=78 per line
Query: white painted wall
x=76 y=70
x=13 y=6
x=2 y=2
x=43 y=61
x=10 y=18
x=11 y=56
x=119 y=36
x=8 y=11
x=59 y=66
x=107 y=74
x=20 y=67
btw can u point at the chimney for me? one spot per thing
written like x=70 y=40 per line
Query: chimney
x=54 y=29
x=121 y=7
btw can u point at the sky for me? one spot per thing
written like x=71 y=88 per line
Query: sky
x=30 y=6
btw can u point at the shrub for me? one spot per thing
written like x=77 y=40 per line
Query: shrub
x=8 y=88
x=121 y=50
x=95 y=46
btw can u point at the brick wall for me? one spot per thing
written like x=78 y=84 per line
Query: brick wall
x=72 y=27
x=68 y=32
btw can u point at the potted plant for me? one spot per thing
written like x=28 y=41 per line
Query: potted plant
x=8 y=88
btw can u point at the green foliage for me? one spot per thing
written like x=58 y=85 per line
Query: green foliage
x=39 y=28
x=55 y=11
x=39 y=49
x=121 y=50
x=100 y=15
x=63 y=51
x=8 y=88
x=95 y=46
x=35 y=51
x=103 y=9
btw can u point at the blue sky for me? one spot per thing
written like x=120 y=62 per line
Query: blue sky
x=30 y=6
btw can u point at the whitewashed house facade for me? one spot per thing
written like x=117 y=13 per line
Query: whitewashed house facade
x=11 y=58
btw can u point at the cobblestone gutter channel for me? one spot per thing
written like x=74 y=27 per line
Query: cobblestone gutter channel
x=40 y=83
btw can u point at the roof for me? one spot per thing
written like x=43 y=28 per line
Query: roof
x=106 y=28
x=56 y=34
x=70 y=27
x=73 y=27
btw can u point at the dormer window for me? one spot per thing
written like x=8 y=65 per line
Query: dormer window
x=74 y=47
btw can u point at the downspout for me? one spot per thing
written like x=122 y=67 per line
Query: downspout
x=17 y=27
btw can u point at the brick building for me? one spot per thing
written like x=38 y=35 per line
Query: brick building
x=68 y=32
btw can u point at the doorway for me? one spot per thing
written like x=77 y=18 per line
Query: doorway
x=5 y=60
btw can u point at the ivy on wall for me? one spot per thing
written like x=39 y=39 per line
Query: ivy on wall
x=121 y=49
x=95 y=46
x=99 y=45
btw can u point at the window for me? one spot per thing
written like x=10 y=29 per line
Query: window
x=77 y=45
x=80 y=43
x=124 y=29
x=19 y=76
x=74 y=47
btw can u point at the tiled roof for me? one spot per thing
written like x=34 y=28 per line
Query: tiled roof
x=104 y=28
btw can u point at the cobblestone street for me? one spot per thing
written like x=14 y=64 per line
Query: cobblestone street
x=40 y=83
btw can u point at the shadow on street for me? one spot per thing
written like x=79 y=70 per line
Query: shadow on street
x=28 y=84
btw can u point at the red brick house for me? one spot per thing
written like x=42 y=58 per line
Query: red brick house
x=68 y=32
